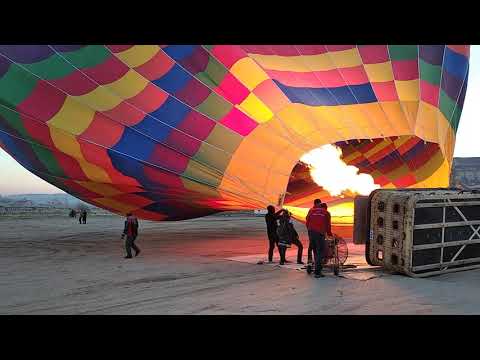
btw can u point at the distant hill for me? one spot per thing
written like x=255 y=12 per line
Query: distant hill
x=52 y=200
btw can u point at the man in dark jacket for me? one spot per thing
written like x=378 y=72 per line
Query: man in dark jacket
x=271 y=220
x=318 y=225
x=290 y=236
x=131 y=231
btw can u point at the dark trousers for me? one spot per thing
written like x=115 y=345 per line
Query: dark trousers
x=282 y=250
x=299 y=246
x=317 y=241
x=272 y=241
x=130 y=244
x=310 y=252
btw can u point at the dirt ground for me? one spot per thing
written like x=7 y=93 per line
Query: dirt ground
x=57 y=266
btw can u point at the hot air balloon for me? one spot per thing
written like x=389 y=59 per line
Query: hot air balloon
x=172 y=132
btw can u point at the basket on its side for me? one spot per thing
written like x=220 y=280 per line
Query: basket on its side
x=423 y=232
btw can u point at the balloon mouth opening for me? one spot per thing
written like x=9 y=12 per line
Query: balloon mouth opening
x=322 y=173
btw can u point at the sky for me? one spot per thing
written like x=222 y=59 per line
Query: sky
x=14 y=179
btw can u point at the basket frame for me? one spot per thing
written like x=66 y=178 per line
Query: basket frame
x=398 y=255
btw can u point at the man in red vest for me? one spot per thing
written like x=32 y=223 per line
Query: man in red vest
x=318 y=225
x=131 y=231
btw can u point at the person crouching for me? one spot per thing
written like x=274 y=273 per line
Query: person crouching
x=293 y=238
x=284 y=236
x=288 y=236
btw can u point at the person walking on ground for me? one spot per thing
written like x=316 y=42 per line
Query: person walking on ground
x=131 y=231
x=84 y=216
x=291 y=236
x=271 y=219
x=318 y=225
x=80 y=217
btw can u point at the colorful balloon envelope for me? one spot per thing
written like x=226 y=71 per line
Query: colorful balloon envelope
x=171 y=132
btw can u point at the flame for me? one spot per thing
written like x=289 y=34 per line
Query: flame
x=329 y=171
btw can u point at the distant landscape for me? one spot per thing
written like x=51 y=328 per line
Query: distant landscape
x=32 y=205
x=61 y=200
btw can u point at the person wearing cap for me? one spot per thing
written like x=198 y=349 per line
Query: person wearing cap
x=318 y=226
x=310 y=245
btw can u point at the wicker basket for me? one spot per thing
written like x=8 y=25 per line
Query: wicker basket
x=423 y=232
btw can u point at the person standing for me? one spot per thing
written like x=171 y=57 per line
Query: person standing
x=84 y=215
x=310 y=248
x=318 y=226
x=130 y=230
x=271 y=219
